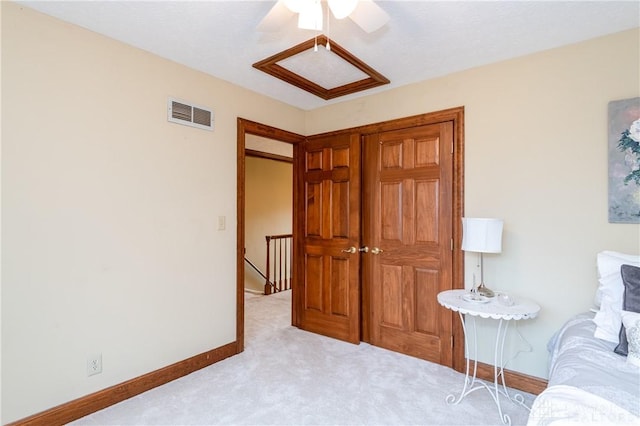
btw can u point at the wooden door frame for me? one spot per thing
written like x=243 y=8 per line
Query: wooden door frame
x=245 y=127
x=456 y=115
x=453 y=114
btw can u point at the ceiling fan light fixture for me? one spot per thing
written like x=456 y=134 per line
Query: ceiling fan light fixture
x=365 y=13
x=310 y=18
x=296 y=6
x=342 y=8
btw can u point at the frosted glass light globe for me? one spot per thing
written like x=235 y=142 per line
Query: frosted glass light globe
x=342 y=8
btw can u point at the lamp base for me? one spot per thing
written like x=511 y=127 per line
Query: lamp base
x=484 y=291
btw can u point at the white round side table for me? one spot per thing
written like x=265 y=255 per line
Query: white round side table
x=498 y=309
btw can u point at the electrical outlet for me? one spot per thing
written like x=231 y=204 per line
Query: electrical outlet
x=94 y=364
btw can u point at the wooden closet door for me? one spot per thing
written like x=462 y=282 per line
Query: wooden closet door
x=329 y=300
x=408 y=203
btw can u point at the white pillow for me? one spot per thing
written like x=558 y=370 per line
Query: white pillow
x=631 y=321
x=610 y=293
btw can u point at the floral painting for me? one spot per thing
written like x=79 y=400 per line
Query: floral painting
x=624 y=161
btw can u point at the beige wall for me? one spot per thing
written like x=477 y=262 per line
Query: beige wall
x=535 y=156
x=109 y=212
x=268 y=210
x=110 y=240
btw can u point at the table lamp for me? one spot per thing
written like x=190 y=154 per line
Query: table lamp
x=483 y=236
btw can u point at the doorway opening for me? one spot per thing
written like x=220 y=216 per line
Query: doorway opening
x=251 y=136
x=268 y=215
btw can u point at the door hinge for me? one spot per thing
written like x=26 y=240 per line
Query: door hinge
x=452 y=244
x=452 y=341
x=452 y=145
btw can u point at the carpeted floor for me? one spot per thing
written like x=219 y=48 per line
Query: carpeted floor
x=290 y=377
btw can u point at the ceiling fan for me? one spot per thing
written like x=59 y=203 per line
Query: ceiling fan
x=365 y=13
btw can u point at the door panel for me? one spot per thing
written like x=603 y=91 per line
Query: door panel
x=426 y=289
x=313 y=291
x=331 y=225
x=409 y=200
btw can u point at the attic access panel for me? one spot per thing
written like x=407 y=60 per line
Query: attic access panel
x=336 y=72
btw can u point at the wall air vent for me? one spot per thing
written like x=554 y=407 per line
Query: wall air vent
x=189 y=114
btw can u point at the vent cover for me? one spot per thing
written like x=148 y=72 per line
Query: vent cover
x=189 y=114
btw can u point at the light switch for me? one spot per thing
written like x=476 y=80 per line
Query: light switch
x=222 y=223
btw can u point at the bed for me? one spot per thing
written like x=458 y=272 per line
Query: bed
x=589 y=383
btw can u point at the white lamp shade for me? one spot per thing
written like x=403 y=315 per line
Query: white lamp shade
x=482 y=235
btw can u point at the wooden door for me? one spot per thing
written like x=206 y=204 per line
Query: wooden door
x=329 y=299
x=408 y=177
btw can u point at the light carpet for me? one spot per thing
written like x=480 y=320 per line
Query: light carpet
x=291 y=377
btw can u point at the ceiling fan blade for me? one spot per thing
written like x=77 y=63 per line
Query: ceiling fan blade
x=369 y=16
x=276 y=19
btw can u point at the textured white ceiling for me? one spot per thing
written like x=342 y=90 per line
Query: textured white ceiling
x=423 y=40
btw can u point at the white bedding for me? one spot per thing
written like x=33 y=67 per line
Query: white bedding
x=588 y=382
x=567 y=405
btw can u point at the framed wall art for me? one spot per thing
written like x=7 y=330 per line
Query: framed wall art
x=624 y=161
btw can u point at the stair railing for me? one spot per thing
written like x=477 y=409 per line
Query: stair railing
x=279 y=260
x=255 y=268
